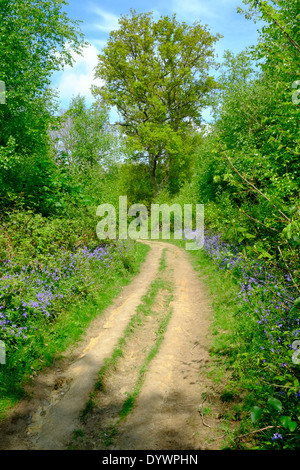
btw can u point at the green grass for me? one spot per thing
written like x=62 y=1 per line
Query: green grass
x=222 y=291
x=225 y=368
x=80 y=314
x=143 y=310
x=130 y=401
x=69 y=327
x=235 y=367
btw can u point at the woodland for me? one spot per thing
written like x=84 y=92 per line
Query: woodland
x=57 y=166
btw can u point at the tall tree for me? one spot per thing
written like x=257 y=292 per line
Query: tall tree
x=279 y=40
x=82 y=136
x=157 y=76
x=250 y=163
x=36 y=39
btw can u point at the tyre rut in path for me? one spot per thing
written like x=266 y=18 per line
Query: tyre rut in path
x=58 y=396
x=167 y=412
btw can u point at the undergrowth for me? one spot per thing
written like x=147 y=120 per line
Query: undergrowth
x=254 y=328
x=51 y=288
x=137 y=320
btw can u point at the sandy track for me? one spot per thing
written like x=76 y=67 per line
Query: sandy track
x=167 y=413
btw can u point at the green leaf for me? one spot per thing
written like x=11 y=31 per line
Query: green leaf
x=287 y=423
x=292 y=426
x=284 y=421
x=255 y=413
x=275 y=403
x=297 y=303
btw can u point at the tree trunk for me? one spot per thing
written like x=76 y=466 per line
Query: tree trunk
x=152 y=165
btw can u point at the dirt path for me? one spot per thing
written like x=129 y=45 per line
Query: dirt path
x=160 y=378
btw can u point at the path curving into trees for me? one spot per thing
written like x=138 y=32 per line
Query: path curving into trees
x=161 y=376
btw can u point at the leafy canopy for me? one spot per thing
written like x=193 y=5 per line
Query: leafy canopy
x=157 y=76
x=82 y=136
x=37 y=38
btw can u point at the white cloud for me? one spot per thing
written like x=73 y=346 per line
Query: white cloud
x=212 y=12
x=193 y=10
x=79 y=78
x=108 y=21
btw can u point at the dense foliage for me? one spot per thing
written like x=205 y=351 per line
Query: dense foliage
x=56 y=168
x=36 y=39
x=248 y=177
x=157 y=74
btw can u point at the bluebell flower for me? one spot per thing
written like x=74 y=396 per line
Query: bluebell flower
x=276 y=436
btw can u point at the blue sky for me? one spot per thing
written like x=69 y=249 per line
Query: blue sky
x=99 y=18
